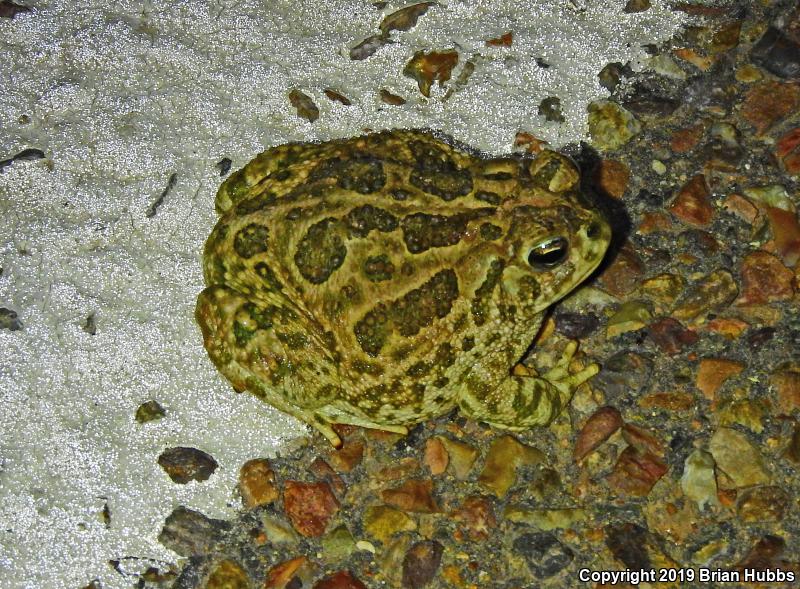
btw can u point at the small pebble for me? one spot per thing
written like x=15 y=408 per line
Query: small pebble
x=257 y=483
x=305 y=105
x=295 y=573
x=544 y=554
x=436 y=457
x=189 y=532
x=339 y=580
x=777 y=53
x=405 y=18
x=712 y=293
x=430 y=67
x=786 y=383
x=713 y=372
x=658 y=167
x=421 y=564
x=631 y=316
x=149 y=411
x=9 y=320
x=597 y=429
x=227 y=574
x=382 y=522
x=624 y=373
x=624 y=273
x=693 y=204
x=698 y=481
x=576 y=325
x=415 y=495
x=505 y=456
x=629 y=544
x=612 y=177
x=476 y=515
x=187 y=464
x=735 y=456
x=461 y=455
x=636 y=472
x=768 y=102
x=671 y=336
x=610 y=125
x=309 y=506
x=339 y=543
x=765 y=279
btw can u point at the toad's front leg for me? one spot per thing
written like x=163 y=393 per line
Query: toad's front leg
x=521 y=402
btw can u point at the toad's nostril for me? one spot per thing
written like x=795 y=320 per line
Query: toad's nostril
x=593 y=230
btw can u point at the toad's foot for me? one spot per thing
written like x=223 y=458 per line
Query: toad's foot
x=521 y=402
x=560 y=377
x=325 y=427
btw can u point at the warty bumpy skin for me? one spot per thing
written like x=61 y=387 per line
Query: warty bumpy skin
x=382 y=280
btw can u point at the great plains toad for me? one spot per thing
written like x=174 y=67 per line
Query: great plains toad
x=382 y=280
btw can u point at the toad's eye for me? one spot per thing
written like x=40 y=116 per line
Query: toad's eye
x=548 y=253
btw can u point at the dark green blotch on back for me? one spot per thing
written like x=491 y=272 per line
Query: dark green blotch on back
x=490 y=197
x=419 y=307
x=329 y=339
x=443 y=358
x=217 y=268
x=321 y=251
x=378 y=268
x=257 y=203
x=418 y=369
x=268 y=276
x=499 y=176
x=436 y=173
x=251 y=240
x=376 y=392
x=445 y=355
x=294 y=341
x=367 y=368
x=262 y=317
x=284 y=368
x=372 y=330
x=490 y=232
x=360 y=173
x=328 y=392
x=480 y=304
x=422 y=231
x=446 y=185
x=408 y=314
x=402 y=352
x=546 y=173
x=361 y=220
x=507 y=312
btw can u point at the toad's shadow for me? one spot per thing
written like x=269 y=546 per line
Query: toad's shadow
x=613 y=209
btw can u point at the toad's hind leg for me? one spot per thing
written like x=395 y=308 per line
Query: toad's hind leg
x=314 y=419
x=521 y=402
x=330 y=414
x=247 y=343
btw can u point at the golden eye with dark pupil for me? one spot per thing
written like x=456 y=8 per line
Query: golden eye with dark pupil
x=549 y=253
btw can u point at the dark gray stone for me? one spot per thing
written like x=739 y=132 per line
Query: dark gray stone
x=546 y=556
